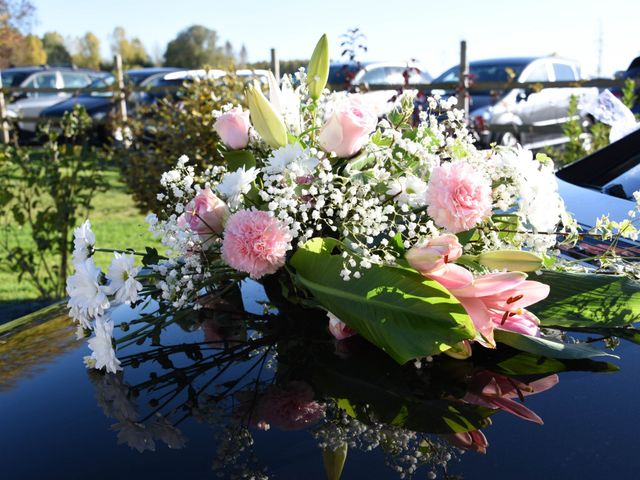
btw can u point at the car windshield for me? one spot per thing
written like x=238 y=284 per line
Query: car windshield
x=485 y=72
x=628 y=182
x=14 y=79
x=101 y=83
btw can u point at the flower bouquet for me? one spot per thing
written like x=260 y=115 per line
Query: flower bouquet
x=400 y=229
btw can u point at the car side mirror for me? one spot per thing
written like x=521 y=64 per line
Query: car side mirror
x=18 y=96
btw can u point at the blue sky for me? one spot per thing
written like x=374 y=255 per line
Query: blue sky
x=427 y=30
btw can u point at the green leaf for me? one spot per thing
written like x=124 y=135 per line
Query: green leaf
x=398 y=310
x=587 y=300
x=239 y=158
x=524 y=363
x=548 y=348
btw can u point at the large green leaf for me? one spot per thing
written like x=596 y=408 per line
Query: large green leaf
x=584 y=300
x=396 y=309
x=548 y=348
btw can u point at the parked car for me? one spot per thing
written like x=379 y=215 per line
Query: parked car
x=341 y=74
x=387 y=73
x=510 y=116
x=633 y=72
x=603 y=182
x=30 y=104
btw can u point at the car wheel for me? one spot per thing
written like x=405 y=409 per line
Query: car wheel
x=508 y=139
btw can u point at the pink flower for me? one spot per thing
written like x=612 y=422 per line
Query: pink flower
x=474 y=441
x=233 y=128
x=348 y=128
x=458 y=197
x=205 y=214
x=255 y=243
x=288 y=407
x=433 y=260
x=338 y=328
x=498 y=300
x=496 y=391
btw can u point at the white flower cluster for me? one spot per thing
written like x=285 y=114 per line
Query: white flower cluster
x=91 y=294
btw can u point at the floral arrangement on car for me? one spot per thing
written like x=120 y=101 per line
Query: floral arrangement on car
x=406 y=234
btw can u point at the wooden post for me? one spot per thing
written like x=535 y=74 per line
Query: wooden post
x=275 y=64
x=463 y=88
x=3 y=116
x=122 y=99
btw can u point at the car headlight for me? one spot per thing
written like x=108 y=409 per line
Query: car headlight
x=12 y=113
x=99 y=116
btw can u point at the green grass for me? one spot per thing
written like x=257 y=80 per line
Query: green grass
x=116 y=222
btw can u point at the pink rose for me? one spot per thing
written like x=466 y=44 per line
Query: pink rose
x=458 y=197
x=233 y=128
x=255 y=243
x=348 y=128
x=205 y=215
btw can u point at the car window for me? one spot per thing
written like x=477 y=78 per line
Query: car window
x=46 y=80
x=73 y=80
x=101 y=83
x=376 y=76
x=13 y=79
x=564 y=72
x=538 y=73
x=416 y=78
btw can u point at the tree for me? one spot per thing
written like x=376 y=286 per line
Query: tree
x=31 y=52
x=87 y=51
x=57 y=53
x=196 y=47
x=244 y=56
x=16 y=16
x=132 y=51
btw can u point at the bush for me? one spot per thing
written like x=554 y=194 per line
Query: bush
x=44 y=193
x=175 y=125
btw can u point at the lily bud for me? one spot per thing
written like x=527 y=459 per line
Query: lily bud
x=265 y=119
x=460 y=351
x=318 y=70
x=334 y=461
x=511 y=260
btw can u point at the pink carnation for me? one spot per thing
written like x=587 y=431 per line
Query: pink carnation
x=205 y=214
x=458 y=197
x=255 y=243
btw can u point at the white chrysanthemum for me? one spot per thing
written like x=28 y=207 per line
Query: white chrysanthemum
x=408 y=190
x=235 y=184
x=122 y=281
x=83 y=242
x=102 y=347
x=282 y=157
x=87 y=298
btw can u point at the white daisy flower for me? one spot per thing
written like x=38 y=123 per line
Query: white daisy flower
x=83 y=242
x=122 y=281
x=87 y=297
x=408 y=190
x=235 y=184
x=102 y=347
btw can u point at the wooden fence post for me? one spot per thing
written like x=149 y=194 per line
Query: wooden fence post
x=275 y=64
x=4 y=124
x=463 y=88
x=122 y=98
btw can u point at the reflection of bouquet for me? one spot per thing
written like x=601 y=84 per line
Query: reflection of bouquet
x=349 y=396
x=407 y=235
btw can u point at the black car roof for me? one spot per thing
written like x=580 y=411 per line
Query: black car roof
x=40 y=68
x=508 y=60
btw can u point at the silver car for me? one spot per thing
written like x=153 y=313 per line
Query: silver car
x=30 y=104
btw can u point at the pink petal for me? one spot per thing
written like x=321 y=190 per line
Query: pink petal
x=525 y=294
x=516 y=408
x=526 y=323
x=481 y=320
x=491 y=284
x=451 y=276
